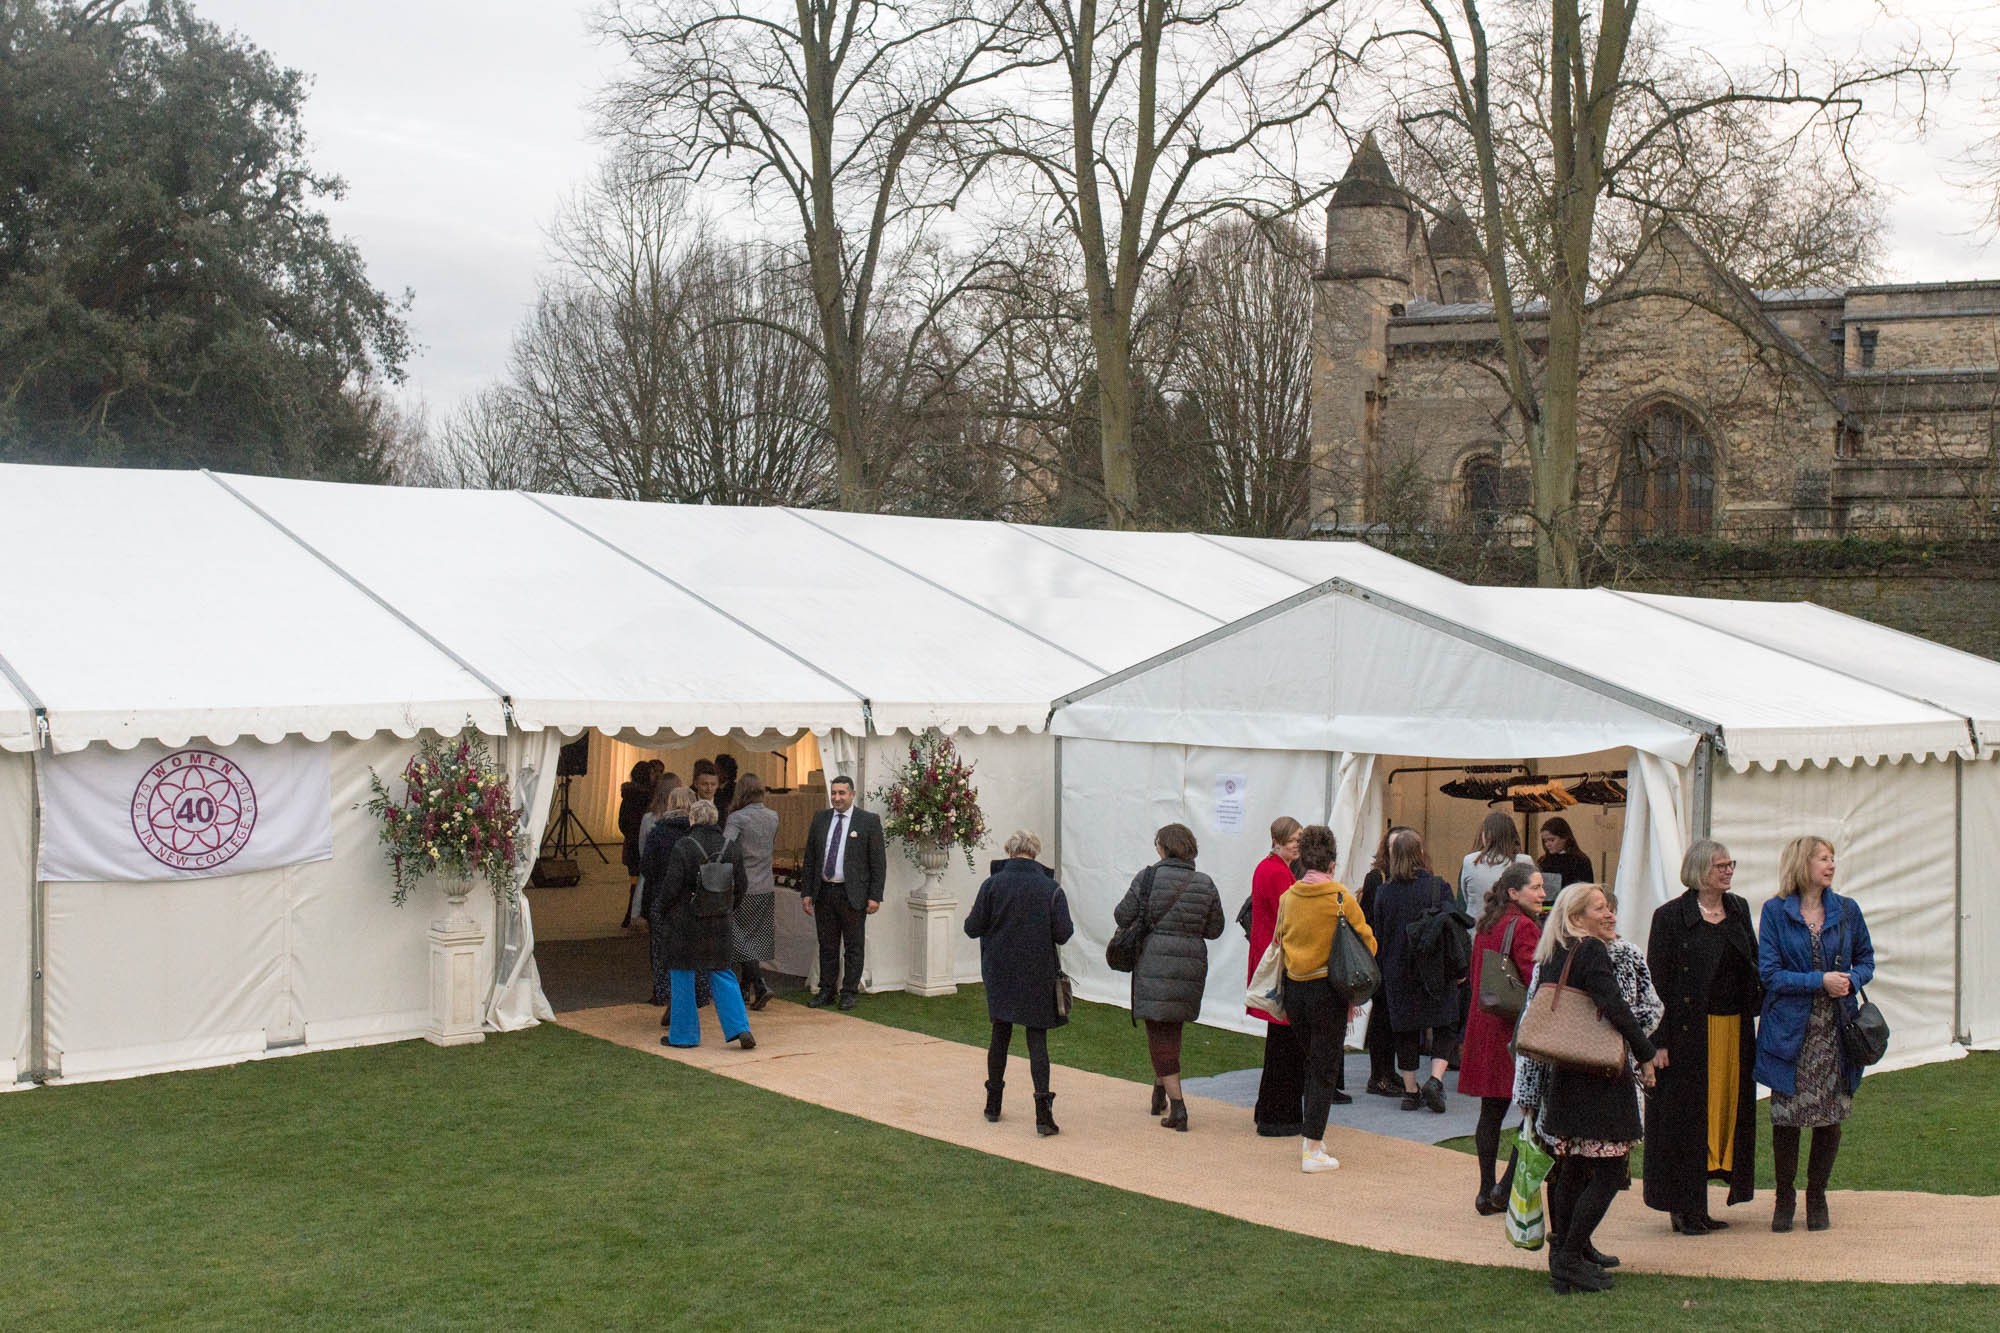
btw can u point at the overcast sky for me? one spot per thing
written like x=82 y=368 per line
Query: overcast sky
x=460 y=125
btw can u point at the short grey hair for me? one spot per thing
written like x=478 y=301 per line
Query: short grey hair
x=1700 y=857
x=1023 y=843
x=702 y=812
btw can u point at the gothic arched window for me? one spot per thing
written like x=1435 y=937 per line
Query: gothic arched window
x=1481 y=478
x=1667 y=475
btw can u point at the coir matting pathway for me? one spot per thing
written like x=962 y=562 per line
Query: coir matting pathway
x=1389 y=1194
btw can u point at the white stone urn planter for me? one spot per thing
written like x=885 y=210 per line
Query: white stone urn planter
x=455 y=939
x=933 y=913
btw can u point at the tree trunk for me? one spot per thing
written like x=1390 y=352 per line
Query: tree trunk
x=1115 y=411
x=1554 y=454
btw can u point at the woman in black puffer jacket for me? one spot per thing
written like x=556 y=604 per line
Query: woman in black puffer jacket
x=1184 y=911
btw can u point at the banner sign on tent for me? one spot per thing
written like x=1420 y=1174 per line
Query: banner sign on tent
x=150 y=813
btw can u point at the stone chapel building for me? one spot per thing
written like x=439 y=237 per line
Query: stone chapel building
x=1706 y=408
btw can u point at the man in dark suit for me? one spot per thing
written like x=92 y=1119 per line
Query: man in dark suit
x=846 y=865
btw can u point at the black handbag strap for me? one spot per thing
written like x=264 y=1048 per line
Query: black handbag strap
x=1507 y=940
x=1172 y=902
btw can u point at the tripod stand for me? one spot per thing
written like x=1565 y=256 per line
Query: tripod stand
x=566 y=832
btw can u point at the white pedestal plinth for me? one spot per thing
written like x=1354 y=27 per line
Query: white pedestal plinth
x=455 y=941
x=932 y=920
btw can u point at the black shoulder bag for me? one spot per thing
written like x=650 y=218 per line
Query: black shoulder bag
x=1122 y=953
x=1864 y=1037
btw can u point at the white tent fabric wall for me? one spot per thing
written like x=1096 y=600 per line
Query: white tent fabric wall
x=1892 y=826
x=529 y=761
x=1115 y=794
x=17 y=887
x=1649 y=857
x=1011 y=770
x=1979 y=901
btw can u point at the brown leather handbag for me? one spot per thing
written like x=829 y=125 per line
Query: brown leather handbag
x=1562 y=1027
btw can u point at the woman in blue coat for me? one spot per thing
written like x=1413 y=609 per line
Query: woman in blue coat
x=1813 y=954
x=1019 y=918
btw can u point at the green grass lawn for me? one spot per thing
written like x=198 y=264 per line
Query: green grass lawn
x=548 y=1179
x=1916 y=1129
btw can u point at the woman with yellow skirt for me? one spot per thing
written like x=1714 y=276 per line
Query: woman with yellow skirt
x=1700 y=1116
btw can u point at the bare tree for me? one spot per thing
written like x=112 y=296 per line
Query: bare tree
x=1174 y=113
x=656 y=365
x=1595 y=125
x=1244 y=368
x=846 y=112
x=485 y=444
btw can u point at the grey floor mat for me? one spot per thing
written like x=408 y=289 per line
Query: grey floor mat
x=1376 y=1115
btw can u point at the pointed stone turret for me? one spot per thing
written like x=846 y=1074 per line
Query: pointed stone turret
x=1368 y=180
x=1372 y=245
x=1458 y=260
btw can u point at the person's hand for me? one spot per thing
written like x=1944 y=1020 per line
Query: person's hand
x=874 y=906
x=807 y=904
x=1837 y=984
x=1660 y=1058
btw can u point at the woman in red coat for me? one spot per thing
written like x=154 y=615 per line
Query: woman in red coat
x=1281 y=1091
x=1486 y=1067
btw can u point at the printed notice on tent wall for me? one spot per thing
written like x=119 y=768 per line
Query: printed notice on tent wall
x=1229 y=791
x=151 y=813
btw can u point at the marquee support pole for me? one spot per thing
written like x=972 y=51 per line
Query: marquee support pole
x=40 y=1068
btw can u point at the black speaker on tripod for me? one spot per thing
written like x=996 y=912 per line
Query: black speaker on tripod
x=556 y=867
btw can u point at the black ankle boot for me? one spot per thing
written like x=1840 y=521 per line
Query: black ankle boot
x=1045 y=1120
x=1572 y=1272
x=1159 y=1099
x=993 y=1090
x=1176 y=1117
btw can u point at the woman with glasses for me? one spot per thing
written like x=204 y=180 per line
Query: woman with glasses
x=1701 y=1117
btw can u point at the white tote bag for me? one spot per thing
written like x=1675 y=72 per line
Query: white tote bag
x=1267 y=982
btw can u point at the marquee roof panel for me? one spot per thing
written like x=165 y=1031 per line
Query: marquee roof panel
x=155 y=605
x=1103 y=619
x=1901 y=663
x=574 y=632
x=1193 y=570
x=919 y=654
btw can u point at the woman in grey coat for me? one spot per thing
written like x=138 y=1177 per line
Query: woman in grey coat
x=1183 y=912
x=754 y=827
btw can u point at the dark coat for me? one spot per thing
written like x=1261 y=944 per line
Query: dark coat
x=1173 y=966
x=666 y=831
x=633 y=798
x=1677 y=1107
x=696 y=943
x=1784 y=965
x=1584 y=1105
x=866 y=868
x=1019 y=918
x=1397 y=905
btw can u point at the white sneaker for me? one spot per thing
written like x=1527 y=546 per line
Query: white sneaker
x=1311 y=1160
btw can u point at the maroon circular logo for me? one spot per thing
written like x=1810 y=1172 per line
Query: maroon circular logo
x=194 y=810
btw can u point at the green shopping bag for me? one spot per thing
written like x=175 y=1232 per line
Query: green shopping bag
x=1526 y=1227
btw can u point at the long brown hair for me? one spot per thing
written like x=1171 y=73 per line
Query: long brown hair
x=1406 y=855
x=1516 y=876
x=1499 y=839
x=749 y=791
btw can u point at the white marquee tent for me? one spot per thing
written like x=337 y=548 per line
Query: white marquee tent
x=159 y=607
x=163 y=607
x=1316 y=700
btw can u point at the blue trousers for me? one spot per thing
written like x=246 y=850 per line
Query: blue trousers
x=684 y=1024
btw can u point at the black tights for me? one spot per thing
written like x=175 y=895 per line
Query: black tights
x=1038 y=1055
x=1580 y=1193
x=1486 y=1138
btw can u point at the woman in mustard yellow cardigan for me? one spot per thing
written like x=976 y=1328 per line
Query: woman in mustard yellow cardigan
x=1308 y=915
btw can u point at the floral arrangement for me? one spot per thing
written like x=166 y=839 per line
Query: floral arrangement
x=456 y=816
x=932 y=801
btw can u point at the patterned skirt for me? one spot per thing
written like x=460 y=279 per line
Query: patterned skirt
x=753 y=929
x=1821 y=1096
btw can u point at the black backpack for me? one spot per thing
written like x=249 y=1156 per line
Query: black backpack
x=715 y=885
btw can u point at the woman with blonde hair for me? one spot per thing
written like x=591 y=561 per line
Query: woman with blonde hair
x=1588 y=1121
x=1813 y=954
x=1019 y=919
x=1309 y=917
